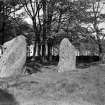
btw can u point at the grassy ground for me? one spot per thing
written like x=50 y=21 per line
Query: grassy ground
x=83 y=86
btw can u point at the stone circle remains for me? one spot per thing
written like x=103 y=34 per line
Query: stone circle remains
x=14 y=57
x=67 y=56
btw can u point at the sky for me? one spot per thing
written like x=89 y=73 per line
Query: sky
x=28 y=20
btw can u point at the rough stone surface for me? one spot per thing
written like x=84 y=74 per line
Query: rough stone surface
x=67 y=56
x=14 y=57
x=103 y=58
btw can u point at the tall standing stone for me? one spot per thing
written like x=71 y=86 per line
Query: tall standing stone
x=67 y=56
x=14 y=57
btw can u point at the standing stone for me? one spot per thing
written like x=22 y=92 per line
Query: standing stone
x=102 y=58
x=67 y=56
x=14 y=57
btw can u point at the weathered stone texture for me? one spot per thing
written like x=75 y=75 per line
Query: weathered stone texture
x=14 y=57
x=67 y=56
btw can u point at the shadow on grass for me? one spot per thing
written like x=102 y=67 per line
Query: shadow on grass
x=7 y=98
x=34 y=66
x=86 y=65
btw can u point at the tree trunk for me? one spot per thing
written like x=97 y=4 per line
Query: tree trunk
x=50 y=52
x=3 y=30
x=35 y=44
x=39 y=49
x=44 y=53
x=44 y=59
x=100 y=51
x=36 y=36
x=3 y=34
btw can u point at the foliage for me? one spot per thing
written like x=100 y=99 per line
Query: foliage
x=7 y=11
x=55 y=19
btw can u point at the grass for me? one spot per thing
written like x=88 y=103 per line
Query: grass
x=89 y=84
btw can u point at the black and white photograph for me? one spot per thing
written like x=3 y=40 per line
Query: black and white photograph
x=52 y=52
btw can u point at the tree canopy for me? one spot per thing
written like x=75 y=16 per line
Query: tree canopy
x=55 y=19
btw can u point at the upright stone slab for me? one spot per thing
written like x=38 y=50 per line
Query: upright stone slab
x=14 y=57
x=103 y=58
x=67 y=56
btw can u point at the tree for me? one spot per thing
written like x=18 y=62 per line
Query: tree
x=51 y=17
x=93 y=19
x=50 y=13
x=32 y=8
x=82 y=19
x=41 y=23
x=7 y=8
